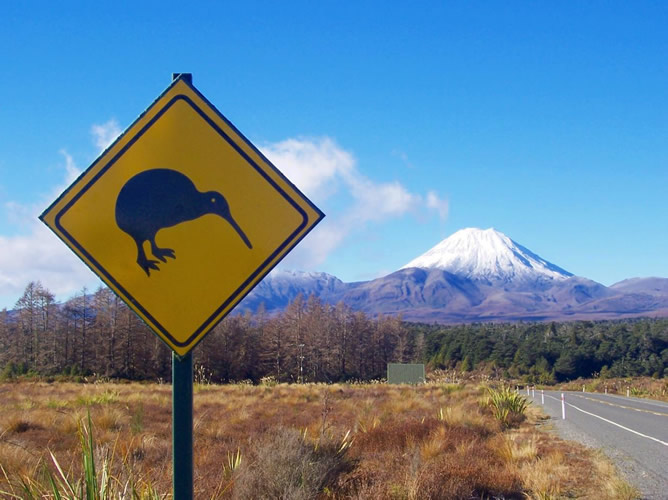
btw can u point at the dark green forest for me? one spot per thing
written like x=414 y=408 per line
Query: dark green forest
x=95 y=333
x=553 y=352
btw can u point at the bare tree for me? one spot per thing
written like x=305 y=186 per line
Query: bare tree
x=108 y=308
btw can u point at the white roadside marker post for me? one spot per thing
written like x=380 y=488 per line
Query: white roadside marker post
x=542 y=397
x=527 y=389
x=606 y=389
x=583 y=388
x=563 y=407
x=627 y=392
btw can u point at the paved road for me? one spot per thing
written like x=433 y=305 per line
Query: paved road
x=632 y=431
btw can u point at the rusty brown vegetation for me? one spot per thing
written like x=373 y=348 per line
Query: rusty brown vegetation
x=642 y=387
x=300 y=441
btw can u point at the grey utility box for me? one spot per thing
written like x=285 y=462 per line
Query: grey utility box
x=405 y=373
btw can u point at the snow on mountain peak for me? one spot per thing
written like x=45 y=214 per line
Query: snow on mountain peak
x=489 y=255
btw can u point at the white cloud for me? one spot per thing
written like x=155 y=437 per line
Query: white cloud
x=320 y=168
x=17 y=213
x=440 y=206
x=71 y=170
x=377 y=202
x=314 y=249
x=38 y=255
x=403 y=157
x=324 y=171
x=314 y=165
x=105 y=134
x=25 y=215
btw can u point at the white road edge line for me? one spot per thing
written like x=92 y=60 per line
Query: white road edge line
x=636 y=400
x=614 y=423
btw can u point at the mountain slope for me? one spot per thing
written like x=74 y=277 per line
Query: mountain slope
x=652 y=286
x=413 y=289
x=474 y=275
x=280 y=287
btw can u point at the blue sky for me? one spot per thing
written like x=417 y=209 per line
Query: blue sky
x=403 y=121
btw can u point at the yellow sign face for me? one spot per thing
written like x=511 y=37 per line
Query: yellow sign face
x=182 y=216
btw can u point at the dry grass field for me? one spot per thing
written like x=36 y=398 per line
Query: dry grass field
x=370 y=441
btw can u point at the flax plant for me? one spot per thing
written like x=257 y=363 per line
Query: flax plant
x=507 y=406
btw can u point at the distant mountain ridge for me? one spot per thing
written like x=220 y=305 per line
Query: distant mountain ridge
x=280 y=287
x=650 y=285
x=473 y=275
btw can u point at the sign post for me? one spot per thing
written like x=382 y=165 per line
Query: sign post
x=182 y=416
x=182 y=426
x=182 y=216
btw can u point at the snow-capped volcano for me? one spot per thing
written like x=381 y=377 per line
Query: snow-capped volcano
x=488 y=255
x=474 y=275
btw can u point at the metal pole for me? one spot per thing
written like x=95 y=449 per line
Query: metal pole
x=182 y=410
x=182 y=426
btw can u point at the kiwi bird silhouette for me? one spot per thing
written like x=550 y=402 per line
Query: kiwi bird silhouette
x=160 y=198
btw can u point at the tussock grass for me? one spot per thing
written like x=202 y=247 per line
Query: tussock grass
x=361 y=441
x=613 y=486
x=286 y=464
x=96 y=481
x=16 y=424
x=550 y=468
x=519 y=448
x=16 y=458
x=545 y=477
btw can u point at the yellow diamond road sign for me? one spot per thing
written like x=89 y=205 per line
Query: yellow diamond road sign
x=182 y=216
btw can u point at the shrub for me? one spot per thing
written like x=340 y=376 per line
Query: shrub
x=137 y=419
x=508 y=407
x=8 y=371
x=283 y=464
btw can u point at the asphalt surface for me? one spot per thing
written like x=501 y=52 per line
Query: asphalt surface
x=633 y=432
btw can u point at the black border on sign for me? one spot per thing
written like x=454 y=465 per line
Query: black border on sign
x=259 y=272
